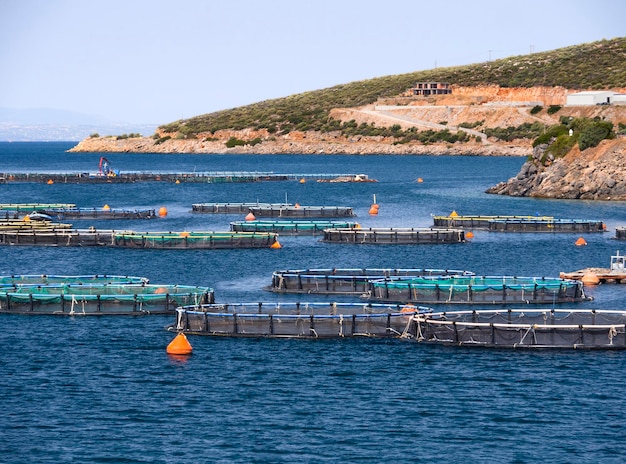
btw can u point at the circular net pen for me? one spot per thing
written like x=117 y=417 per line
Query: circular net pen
x=233 y=208
x=57 y=237
x=384 y=236
x=546 y=225
x=44 y=279
x=524 y=328
x=303 y=211
x=478 y=222
x=291 y=227
x=97 y=213
x=297 y=320
x=101 y=299
x=477 y=290
x=194 y=240
x=345 y=281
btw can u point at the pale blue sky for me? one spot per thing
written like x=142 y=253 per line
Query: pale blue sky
x=156 y=61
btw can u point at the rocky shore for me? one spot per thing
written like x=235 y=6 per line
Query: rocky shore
x=595 y=174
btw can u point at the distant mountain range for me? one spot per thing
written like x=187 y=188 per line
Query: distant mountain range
x=47 y=124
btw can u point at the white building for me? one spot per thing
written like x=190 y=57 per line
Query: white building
x=596 y=97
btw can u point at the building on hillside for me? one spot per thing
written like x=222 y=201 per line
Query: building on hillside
x=595 y=97
x=431 y=88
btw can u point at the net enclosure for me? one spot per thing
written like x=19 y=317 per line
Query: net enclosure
x=524 y=328
x=204 y=240
x=479 y=222
x=519 y=223
x=345 y=281
x=297 y=211
x=46 y=279
x=477 y=290
x=97 y=213
x=385 y=236
x=233 y=208
x=101 y=299
x=296 y=320
x=294 y=227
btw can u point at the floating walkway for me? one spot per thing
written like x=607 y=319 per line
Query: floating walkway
x=476 y=290
x=97 y=213
x=519 y=223
x=345 y=281
x=195 y=240
x=291 y=227
x=233 y=208
x=524 y=328
x=181 y=177
x=101 y=299
x=384 y=236
x=297 y=211
x=296 y=320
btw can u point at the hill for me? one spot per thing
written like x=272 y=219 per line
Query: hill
x=596 y=65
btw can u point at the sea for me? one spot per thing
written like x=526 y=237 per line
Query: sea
x=104 y=390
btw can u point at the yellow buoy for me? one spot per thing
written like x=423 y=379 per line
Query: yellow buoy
x=162 y=211
x=180 y=345
x=275 y=245
x=106 y=208
x=454 y=214
x=580 y=242
x=27 y=218
x=590 y=279
x=250 y=217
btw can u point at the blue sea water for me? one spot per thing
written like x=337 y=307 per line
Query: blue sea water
x=104 y=390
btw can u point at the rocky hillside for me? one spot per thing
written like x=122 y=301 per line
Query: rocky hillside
x=593 y=174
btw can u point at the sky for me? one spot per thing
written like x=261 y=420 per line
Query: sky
x=155 y=61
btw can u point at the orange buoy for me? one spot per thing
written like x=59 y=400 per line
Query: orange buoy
x=469 y=234
x=106 y=208
x=180 y=345
x=580 y=242
x=27 y=218
x=50 y=182
x=420 y=180
x=374 y=209
x=250 y=217
x=162 y=211
x=177 y=181
x=276 y=245
x=590 y=279
x=303 y=180
x=454 y=214
x=184 y=234
x=297 y=205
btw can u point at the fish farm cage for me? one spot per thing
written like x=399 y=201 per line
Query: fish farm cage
x=524 y=328
x=28 y=207
x=57 y=237
x=24 y=226
x=620 y=233
x=233 y=208
x=296 y=320
x=345 y=281
x=194 y=240
x=45 y=279
x=97 y=213
x=297 y=211
x=477 y=290
x=548 y=225
x=386 y=236
x=479 y=222
x=295 y=227
x=101 y=299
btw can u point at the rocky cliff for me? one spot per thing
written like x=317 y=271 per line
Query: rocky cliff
x=595 y=174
